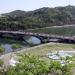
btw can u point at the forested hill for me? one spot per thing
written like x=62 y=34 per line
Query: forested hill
x=39 y=18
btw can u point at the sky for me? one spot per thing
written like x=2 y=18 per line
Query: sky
x=29 y=5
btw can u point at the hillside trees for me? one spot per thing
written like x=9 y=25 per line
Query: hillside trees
x=43 y=17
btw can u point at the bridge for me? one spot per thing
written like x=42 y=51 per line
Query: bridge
x=43 y=37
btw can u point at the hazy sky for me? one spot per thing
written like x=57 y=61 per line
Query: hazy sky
x=28 y=5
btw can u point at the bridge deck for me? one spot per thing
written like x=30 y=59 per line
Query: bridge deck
x=37 y=34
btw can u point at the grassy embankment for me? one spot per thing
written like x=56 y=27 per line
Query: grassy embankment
x=46 y=48
x=68 y=31
x=42 y=50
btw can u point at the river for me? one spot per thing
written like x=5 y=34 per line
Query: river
x=7 y=43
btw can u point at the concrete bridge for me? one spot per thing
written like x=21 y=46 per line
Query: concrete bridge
x=43 y=37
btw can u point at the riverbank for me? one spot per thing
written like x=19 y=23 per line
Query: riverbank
x=10 y=45
x=39 y=50
x=66 y=30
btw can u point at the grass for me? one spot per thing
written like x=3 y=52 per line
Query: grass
x=68 y=31
x=2 y=49
x=16 y=46
x=44 y=49
x=10 y=41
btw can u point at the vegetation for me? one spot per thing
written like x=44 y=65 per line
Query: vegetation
x=8 y=40
x=2 y=69
x=2 y=49
x=35 y=62
x=63 y=31
x=43 y=17
x=32 y=65
x=46 y=48
x=16 y=46
x=1 y=62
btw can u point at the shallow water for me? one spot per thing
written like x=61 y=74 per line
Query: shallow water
x=34 y=40
x=7 y=47
x=58 y=54
x=7 y=43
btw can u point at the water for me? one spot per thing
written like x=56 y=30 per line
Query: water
x=7 y=47
x=7 y=43
x=32 y=40
x=58 y=54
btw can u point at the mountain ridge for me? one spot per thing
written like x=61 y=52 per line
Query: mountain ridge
x=43 y=17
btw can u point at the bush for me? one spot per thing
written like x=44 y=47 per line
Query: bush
x=33 y=65
x=2 y=49
x=29 y=65
x=57 y=69
x=2 y=69
x=66 y=70
x=1 y=62
x=16 y=46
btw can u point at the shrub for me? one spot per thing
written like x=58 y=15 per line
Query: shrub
x=2 y=49
x=33 y=65
x=16 y=46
